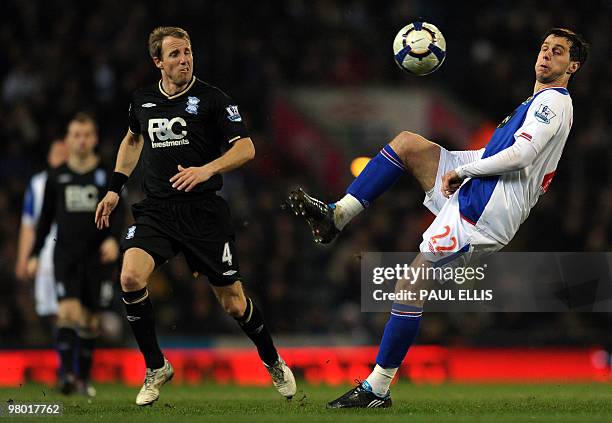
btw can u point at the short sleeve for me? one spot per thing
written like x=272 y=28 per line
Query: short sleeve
x=28 y=216
x=228 y=119
x=133 y=123
x=543 y=120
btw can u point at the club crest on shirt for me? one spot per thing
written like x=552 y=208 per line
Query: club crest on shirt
x=233 y=114
x=544 y=114
x=192 y=105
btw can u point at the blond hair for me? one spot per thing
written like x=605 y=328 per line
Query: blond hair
x=157 y=36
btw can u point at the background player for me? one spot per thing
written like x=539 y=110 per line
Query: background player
x=188 y=125
x=83 y=255
x=480 y=198
x=45 y=296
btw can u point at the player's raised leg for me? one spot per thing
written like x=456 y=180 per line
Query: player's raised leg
x=406 y=152
x=251 y=321
x=137 y=267
x=400 y=332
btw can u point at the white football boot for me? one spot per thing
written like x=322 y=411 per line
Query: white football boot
x=154 y=379
x=282 y=378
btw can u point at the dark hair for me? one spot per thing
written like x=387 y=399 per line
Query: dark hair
x=579 y=48
x=83 y=117
x=157 y=36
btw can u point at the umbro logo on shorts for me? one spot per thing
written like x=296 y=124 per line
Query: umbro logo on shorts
x=133 y=318
x=229 y=272
x=147 y=105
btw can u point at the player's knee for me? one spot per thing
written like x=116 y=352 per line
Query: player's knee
x=69 y=313
x=233 y=305
x=407 y=145
x=132 y=281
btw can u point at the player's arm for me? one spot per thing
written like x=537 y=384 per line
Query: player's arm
x=109 y=249
x=127 y=159
x=242 y=151
x=529 y=141
x=47 y=216
x=27 y=235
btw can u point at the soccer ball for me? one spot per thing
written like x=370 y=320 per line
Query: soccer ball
x=419 y=48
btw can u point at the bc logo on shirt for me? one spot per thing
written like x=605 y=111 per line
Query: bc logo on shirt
x=544 y=114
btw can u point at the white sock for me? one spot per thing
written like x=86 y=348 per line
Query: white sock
x=380 y=380
x=346 y=209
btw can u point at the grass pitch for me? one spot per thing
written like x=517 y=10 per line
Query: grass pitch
x=444 y=403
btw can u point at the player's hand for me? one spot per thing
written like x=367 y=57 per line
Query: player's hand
x=187 y=178
x=450 y=183
x=109 y=250
x=104 y=209
x=21 y=270
x=32 y=267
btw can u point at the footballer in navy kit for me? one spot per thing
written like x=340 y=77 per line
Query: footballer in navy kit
x=188 y=134
x=83 y=257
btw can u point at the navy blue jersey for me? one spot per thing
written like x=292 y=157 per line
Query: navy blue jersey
x=190 y=128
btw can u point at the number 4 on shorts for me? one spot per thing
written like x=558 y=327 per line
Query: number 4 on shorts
x=227 y=255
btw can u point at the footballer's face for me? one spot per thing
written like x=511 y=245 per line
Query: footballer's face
x=554 y=64
x=81 y=138
x=176 y=61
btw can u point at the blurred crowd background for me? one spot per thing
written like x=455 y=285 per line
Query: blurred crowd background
x=60 y=57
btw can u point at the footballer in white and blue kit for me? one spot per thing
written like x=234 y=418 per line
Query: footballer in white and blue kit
x=480 y=197
x=502 y=182
x=45 y=294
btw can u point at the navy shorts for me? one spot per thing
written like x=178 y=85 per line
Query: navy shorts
x=201 y=229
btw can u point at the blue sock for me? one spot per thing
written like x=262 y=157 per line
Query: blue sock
x=400 y=332
x=378 y=176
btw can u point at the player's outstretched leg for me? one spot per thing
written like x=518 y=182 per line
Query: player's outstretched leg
x=251 y=321
x=137 y=266
x=406 y=152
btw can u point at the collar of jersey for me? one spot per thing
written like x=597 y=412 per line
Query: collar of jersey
x=561 y=90
x=180 y=93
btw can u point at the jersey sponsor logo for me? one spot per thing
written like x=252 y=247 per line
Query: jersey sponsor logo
x=81 y=198
x=233 y=114
x=130 y=232
x=165 y=132
x=544 y=114
x=133 y=318
x=192 y=105
x=147 y=105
